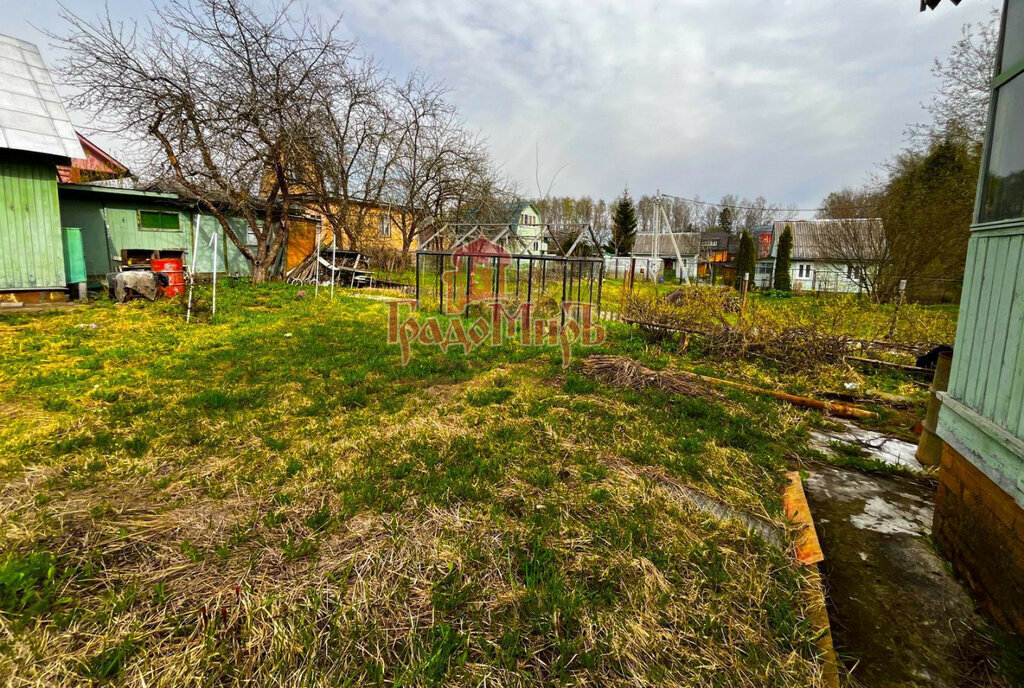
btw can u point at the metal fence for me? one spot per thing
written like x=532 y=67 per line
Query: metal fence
x=470 y=283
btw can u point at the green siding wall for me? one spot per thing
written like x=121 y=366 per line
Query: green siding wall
x=984 y=415
x=125 y=232
x=31 y=255
x=988 y=371
x=111 y=223
x=88 y=216
x=229 y=259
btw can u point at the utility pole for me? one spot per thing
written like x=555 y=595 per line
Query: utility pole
x=657 y=226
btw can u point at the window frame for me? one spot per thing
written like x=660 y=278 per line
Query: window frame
x=162 y=213
x=1000 y=78
x=384 y=227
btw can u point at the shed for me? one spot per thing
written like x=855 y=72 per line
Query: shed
x=36 y=135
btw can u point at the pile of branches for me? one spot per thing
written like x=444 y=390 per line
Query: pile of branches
x=796 y=347
x=756 y=332
x=703 y=300
x=625 y=372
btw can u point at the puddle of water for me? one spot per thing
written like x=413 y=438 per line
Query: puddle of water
x=879 y=446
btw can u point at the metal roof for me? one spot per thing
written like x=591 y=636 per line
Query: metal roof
x=688 y=242
x=32 y=118
x=811 y=237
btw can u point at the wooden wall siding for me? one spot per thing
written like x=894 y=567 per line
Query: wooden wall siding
x=229 y=259
x=988 y=369
x=301 y=240
x=88 y=216
x=31 y=256
x=125 y=233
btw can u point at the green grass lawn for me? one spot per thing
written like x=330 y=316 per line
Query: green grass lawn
x=274 y=499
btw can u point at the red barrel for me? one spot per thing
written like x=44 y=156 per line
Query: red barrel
x=172 y=268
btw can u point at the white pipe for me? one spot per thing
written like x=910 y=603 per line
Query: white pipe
x=334 y=262
x=193 y=262
x=213 y=243
x=316 y=289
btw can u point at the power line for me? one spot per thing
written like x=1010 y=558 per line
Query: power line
x=740 y=207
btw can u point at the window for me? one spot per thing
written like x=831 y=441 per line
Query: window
x=1013 y=44
x=250 y=236
x=385 y=227
x=1002 y=195
x=158 y=221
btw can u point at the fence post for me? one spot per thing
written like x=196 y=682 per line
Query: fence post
x=743 y=292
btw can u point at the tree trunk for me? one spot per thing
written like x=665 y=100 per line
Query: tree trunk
x=260 y=273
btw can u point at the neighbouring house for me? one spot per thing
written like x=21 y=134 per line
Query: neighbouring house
x=828 y=255
x=979 y=507
x=375 y=226
x=717 y=258
x=36 y=136
x=670 y=255
x=96 y=166
x=528 y=224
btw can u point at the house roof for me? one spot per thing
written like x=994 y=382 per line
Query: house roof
x=32 y=117
x=716 y=240
x=97 y=164
x=688 y=242
x=810 y=237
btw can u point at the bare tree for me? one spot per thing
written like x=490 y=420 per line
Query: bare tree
x=959 y=109
x=350 y=148
x=220 y=95
x=441 y=169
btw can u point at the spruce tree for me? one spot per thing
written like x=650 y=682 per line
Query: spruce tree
x=624 y=225
x=725 y=219
x=782 y=261
x=746 y=261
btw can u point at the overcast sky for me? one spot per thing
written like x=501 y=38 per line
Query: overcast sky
x=789 y=99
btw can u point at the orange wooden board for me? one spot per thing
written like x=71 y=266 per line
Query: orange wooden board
x=808 y=550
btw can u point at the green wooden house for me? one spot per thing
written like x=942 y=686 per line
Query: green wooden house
x=979 y=515
x=35 y=136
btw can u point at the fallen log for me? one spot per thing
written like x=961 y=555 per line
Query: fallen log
x=830 y=407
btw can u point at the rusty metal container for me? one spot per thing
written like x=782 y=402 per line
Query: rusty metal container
x=172 y=268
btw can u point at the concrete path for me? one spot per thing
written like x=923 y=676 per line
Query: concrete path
x=898 y=616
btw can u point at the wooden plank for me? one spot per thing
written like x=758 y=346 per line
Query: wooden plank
x=794 y=501
x=996 y=328
x=968 y=316
x=977 y=337
x=1004 y=371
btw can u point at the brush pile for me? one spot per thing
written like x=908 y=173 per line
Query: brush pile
x=625 y=372
x=789 y=340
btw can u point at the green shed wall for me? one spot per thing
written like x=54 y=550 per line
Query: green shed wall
x=110 y=223
x=31 y=255
x=229 y=259
x=983 y=411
